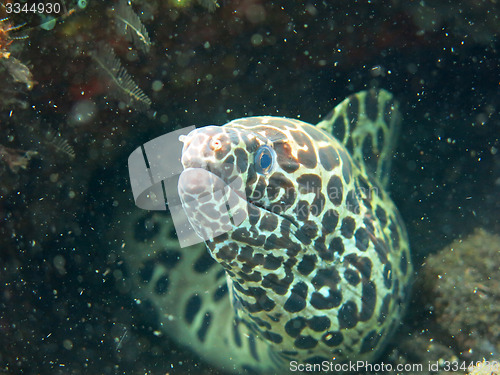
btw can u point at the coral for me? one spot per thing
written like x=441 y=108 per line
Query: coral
x=485 y=368
x=15 y=159
x=462 y=286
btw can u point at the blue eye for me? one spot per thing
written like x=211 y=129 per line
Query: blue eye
x=264 y=159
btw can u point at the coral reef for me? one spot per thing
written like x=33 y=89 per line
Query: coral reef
x=461 y=286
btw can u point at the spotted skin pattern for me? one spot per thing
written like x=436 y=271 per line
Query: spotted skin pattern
x=312 y=259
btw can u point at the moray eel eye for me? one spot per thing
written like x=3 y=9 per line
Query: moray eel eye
x=264 y=159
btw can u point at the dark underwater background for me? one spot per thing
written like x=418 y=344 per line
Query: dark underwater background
x=65 y=135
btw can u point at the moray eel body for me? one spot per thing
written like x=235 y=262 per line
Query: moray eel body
x=308 y=259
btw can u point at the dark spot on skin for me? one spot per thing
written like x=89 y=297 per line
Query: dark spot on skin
x=297 y=299
x=221 y=238
x=321 y=249
x=326 y=277
x=305 y=342
x=220 y=292
x=169 y=258
x=363 y=184
x=368 y=221
x=278 y=183
x=293 y=249
x=273 y=337
x=192 y=308
x=362 y=239
x=285 y=228
x=236 y=334
x=348 y=315
x=368 y=301
x=339 y=128
x=203 y=263
x=308 y=231
x=384 y=309
x=279 y=286
x=146 y=271
x=263 y=301
x=268 y=222
x=251 y=177
x=286 y=160
x=321 y=302
x=161 y=286
x=302 y=211
x=362 y=264
x=370 y=341
x=318 y=204
x=336 y=246
x=259 y=192
x=333 y=338
x=261 y=322
x=330 y=221
x=210 y=210
x=253 y=214
x=352 y=277
x=394 y=236
x=395 y=289
x=307 y=264
x=245 y=255
x=352 y=202
x=202 y=332
x=243 y=235
x=371 y=105
x=353 y=111
x=403 y=266
x=241 y=160
x=248 y=275
x=275 y=242
x=349 y=145
x=226 y=253
x=226 y=168
x=145 y=229
x=329 y=158
x=346 y=166
x=272 y=263
x=380 y=138
x=309 y=183
x=253 y=348
x=387 y=276
x=381 y=250
x=369 y=156
x=335 y=190
x=382 y=217
x=319 y=323
x=306 y=157
x=294 y=326
x=348 y=227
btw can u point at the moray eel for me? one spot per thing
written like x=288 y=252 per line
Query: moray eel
x=310 y=261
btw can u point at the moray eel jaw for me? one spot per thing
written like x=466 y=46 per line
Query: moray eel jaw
x=205 y=198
